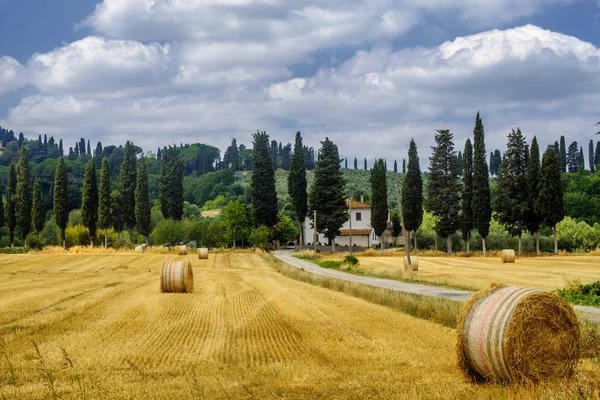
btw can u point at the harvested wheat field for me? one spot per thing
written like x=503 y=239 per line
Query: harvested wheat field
x=547 y=273
x=103 y=330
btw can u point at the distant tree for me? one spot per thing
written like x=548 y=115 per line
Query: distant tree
x=327 y=194
x=404 y=166
x=142 y=200
x=412 y=196
x=346 y=163
x=45 y=140
x=481 y=203
x=38 y=210
x=443 y=190
x=21 y=139
x=11 y=190
x=235 y=221
x=40 y=139
x=562 y=157
x=597 y=156
x=355 y=163
x=466 y=224
x=581 y=160
x=557 y=148
x=171 y=184
x=274 y=153
x=82 y=147
x=23 y=195
x=89 y=201
x=262 y=182
x=104 y=217
x=285 y=230
x=395 y=167
x=573 y=157
x=365 y=166
x=60 y=148
x=116 y=210
x=61 y=198
x=550 y=193
x=98 y=155
x=297 y=186
x=286 y=156
x=591 y=158
x=89 y=149
x=459 y=164
x=533 y=217
x=396 y=226
x=379 y=200
x=127 y=180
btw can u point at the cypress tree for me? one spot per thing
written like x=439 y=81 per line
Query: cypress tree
x=355 y=163
x=482 y=210
x=61 y=198
x=98 y=155
x=274 y=153
x=492 y=160
x=550 y=193
x=597 y=156
x=404 y=166
x=11 y=190
x=557 y=148
x=395 y=167
x=365 y=166
x=412 y=196
x=116 y=210
x=327 y=194
x=89 y=201
x=379 y=200
x=21 y=139
x=466 y=224
x=89 y=149
x=127 y=181
x=345 y=163
x=61 y=152
x=573 y=157
x=262 y=183
x=171 y=184
x=1 y=209
x=40 y=139
x=45 y=140
x=23 y=199
x=533 y=216
x=459 y=164
x=104 y=217
x=581 y=160
x=591 y=159
x=297 y=185
x=142 y=201
x=38 y=210
x=497 y=161
x=562 y=157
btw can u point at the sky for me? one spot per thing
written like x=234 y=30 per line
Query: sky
x=368 y=74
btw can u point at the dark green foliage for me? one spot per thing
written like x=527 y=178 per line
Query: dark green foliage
x=351 y=260
x=142 y=201
x=297 y=186
x=562 y=155
x=127 y=179
x=89 y=202
x=365 y=164
x=1 y=209
x=573 y=157
x=236 y=222
x=34 y=241
x=396 y=225
x=116 y=210
x=61 y=197
x=412 y=191
x=198 y=159
x=286 y=156
x=591 y=158
x=466 y=219
x=443 y=190
x=345 y=163
x=327 y=194
x=556 y=148
x=403 y=166
x=532 y=216
x=38 y=210
x=309 y=158
x=11 y=190
x=262 y=184
x=169 y=232
x=495 y=160
x=355 y=163
x=379 y=200
x=208 y=186
x=581 y=159
x=550 y=190
x=459 y=164
x=395 y=167
x=585 y=295
x=597 y=156
x=274 y=153
x=104 y=218
x=23 y=195
x=171 y=184
x=61 y=152
x=482 y=209
x=231 y=156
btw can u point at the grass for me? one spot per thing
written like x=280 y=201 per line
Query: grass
x=585 y=295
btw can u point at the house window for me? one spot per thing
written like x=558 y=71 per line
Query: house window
x=358 y=216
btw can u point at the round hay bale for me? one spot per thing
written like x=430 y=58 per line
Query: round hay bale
x=509 y=334
x=414 y=261
x=203 y=253
x=177 y=277
x=182 y=250
x=508 y=256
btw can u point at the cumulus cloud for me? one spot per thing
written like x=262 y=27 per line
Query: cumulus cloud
x=12 y=75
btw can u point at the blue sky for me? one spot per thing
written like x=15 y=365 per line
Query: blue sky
x=381 y=71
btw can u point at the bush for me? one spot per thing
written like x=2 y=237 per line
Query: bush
x=260 y=237
x=169 y=232
x=351 y=260
x=51 y=233
x=13 y=250
x=586 y=295
x=34 y=241
x=77 y=235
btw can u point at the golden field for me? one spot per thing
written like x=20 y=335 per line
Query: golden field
x=103 y=330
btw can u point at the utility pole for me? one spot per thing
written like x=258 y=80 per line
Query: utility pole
x=315 y=231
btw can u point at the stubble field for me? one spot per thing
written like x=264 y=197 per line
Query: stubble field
x=96 y=326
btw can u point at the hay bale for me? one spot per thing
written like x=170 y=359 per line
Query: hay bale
x=507 y=256
x=182 y=250
x=414 y=261
x=203 y=253
x=177 y=277
x=141 y=248
x=509 y=334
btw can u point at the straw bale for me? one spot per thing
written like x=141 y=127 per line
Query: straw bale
x=507 y=256
x=203 y=253
x=182 y=250
x=177 y=277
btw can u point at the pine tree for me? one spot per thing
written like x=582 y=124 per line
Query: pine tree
x=23 y=198
x=550 y=193
x=142 y=200
x=61 y=198
x=443 y=194
x=412 y=196
x=466 y=224
x=171 y=184
x=355 y=163
x=61 y=152
x=395 y=167
x=533 y=217
x=11 y=190
x=297 y=185
x=262 y=183
x=573 y=157
x=482 y=209
x=365 y=166
x=403 y=166
x=38 y=210
x=104 y=217
x=562 y=157
x=327 y=195
x=127 y=178
x=497 y=161
x=511 y=201
x=581 y=160
x=379 y=200
x=591 y=160
x=89 y=201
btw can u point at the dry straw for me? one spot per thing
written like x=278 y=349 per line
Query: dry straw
x=177 y=277
x=508 y=334
x=414 y=260
x=203 y=253
x=507 y=256
x=182 y=250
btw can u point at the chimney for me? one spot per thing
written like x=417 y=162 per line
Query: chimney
x=362 y=198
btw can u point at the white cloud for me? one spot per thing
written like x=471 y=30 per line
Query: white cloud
x=12 y=74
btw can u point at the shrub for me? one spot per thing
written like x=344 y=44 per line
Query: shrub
x=13 y=250
x=77 y=235
x=260 y=237
x=169 y=232
x=351 y=260
x=586 y=295
x=34 y=241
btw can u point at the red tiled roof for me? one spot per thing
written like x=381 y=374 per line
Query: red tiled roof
x=357 y=204
x=357 y=232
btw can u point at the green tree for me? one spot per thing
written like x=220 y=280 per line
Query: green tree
x=1 y=209
x=573 y=157
x=396 y=226
x=61 y=198
x=533 y=217
x=171 y=184
x=262 y=183
x=395 y=167
x=38 y=210
x=169 y=232
x=562 y=157
x=260 y=237
x=379 y=199
x=297 y=186
x=127 y=180
x=355 y=162
x=481 y=203
x=466 y=224
x=597 y=156
x=235 y=221
x=327 y=195
x=285 y=230
x=404 y=166
x=365 y=164
x=591 y=159
x=23 y=195
x=116 y=211
x=142 y=200
x=581 y=160
x=89 y=200
x=550 y=193
x=11 y=189
x=443 y=191
x=412 y=196
x=104 y=217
